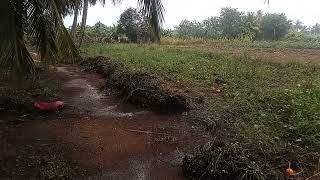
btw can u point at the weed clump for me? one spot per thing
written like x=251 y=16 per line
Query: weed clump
x=221 y=161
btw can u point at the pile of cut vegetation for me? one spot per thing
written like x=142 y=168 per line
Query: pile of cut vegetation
x=235 y=160
x=220 y=161
x=138 y=88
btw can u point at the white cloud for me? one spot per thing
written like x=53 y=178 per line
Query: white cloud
x=177 y=10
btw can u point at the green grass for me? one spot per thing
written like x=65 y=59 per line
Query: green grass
x=272 y=101
x=296 y=43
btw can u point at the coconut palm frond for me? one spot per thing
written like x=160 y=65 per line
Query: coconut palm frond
x=13 y=52
x=65 y=7
x=65 y=44
x=42 y=20
x=68 y=51
x=42 y=27
x=154 y=11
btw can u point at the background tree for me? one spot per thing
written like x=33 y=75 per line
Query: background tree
x=230 y=24
x=100 y=33
x=231 y=21
x=167 y=33
x=84 y=20
x=298 y=26
x=43 y=21
x=85 y=14
x=251 y=26
x=151 y=9
x=212 y=27
x=190 y=29
x=128 y=23
x=275 y=26
x=315 y=29
x=75 y=19
x=134 y=25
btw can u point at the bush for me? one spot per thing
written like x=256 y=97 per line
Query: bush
x=275 y=26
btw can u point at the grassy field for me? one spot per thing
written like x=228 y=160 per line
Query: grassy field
x=297 y=43
x=277 y=106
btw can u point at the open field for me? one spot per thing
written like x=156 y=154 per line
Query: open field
x=254 y=117
x=275 y=51
x=231 y=96
x=272 y=108
x=289 y=42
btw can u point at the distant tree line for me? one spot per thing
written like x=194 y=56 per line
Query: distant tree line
x=232 y=23
x=132 y=26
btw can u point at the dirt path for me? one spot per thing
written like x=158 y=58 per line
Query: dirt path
x=96 y=137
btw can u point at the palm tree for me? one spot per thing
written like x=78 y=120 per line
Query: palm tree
x=267 y=1
x=84 y=16
x=153 y=9
x=298 y=26
x=43 y=22
x=75 y=20
x=84 y=20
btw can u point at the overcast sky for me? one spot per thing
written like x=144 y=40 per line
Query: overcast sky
x=177 y=10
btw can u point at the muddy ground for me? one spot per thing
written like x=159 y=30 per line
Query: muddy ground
x=95 y=136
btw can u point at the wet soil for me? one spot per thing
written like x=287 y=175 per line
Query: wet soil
x=95 y=136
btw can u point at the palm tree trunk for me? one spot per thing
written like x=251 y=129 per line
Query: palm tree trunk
x=84 y=20
x=75 y=21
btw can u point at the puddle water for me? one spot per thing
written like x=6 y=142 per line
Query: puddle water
x=91 y=99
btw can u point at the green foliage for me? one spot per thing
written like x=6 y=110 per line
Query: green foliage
x=231 y=22
x=234 y=24
x=315 y=29
x=100 y=28
x=275 y=26
x=42 y=20
x=190 y=28
x=100 y=32
x=299 y=27
x=252 y=23
x=134 y=26
x=153 y=10
x=212 y=27
x=273 y=102
x=292 y=40
x=167 y=33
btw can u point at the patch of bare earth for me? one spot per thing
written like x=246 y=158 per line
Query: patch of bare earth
x=282 y=55
x=96 y=136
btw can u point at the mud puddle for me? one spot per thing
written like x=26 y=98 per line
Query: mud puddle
x=106 y=140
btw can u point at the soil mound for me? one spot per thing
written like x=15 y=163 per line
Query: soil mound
x=138 y=88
